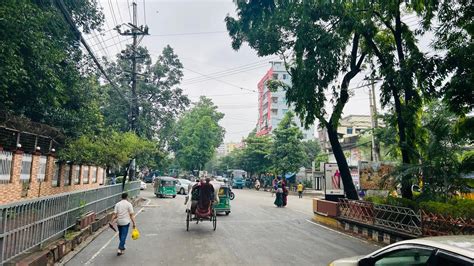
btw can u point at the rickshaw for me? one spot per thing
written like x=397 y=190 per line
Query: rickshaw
x=224 y=200
x=164 y=186
x=200 y=215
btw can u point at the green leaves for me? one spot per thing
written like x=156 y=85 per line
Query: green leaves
x=287 y=153
x=112 y=149
x=197 y=134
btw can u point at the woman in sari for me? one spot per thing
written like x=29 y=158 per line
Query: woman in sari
x=279 y=194
x=285 y=192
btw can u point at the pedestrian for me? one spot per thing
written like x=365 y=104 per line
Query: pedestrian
x=123 y=213
x=279 y=194
x=285 y=192
x=274 y=185
x=300 y=190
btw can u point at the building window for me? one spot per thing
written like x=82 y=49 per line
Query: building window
x=275 y=76
x=285 y=76
x=349 y=130
x=275 y=112
x=358 y=130
x=274 y=99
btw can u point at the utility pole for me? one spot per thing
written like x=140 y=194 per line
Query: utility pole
x=135 y=31
x=374 y=119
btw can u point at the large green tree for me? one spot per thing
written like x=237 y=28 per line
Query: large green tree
x=44 y=74
x=312 y=150
x=323 y=40
x=197 y=134
x=287 y=153
x=255 y=157
x=159 y=98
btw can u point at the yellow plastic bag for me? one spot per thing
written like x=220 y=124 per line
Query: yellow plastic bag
x=135 y=234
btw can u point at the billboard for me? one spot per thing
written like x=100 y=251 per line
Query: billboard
x=333 y=180
x=376 y=176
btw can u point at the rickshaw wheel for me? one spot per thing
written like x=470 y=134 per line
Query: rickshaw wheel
x=174 y=196
x=227 y=212
x=214 y=220
x=188 y=217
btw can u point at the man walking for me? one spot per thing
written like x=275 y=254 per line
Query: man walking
x=300 y=190
x=124 y=214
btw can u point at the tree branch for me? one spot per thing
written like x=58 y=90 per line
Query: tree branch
x=386 y=23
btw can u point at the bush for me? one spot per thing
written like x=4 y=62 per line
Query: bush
x=454 y=208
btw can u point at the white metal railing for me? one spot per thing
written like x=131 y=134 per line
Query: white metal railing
x=42 y=168
x=25 y=172
x=67 y=174
x=85 y=175
x=77 y=174
x=56 y=172
x=6 y=159
x=26 y=225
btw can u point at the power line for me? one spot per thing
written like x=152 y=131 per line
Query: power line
x=224 y=82
x=73 y=26
x=187 y=33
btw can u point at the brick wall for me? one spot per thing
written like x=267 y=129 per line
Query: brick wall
x=12 y=191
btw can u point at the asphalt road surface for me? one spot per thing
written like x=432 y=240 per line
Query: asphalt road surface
x=255 y=233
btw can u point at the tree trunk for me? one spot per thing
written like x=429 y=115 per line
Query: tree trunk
x=349 y=188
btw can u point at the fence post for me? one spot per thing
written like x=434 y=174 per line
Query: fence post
x=43 y=210
x=4 y=230
x=67 y=215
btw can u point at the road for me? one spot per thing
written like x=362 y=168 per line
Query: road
x=255 y=233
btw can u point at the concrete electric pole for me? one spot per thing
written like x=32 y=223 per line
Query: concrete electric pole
x=135 y=31
x=374 y=119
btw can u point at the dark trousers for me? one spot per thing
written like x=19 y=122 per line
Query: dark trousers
x=300 y=194
x=123 y=233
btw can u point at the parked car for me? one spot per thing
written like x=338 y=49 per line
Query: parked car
x=182 y=186
x=142 y=185
x=436 y=251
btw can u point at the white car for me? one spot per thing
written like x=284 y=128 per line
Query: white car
x=182 y=186
x=142 y=185
x=436 y=251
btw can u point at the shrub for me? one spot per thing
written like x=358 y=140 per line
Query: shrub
x=454 y=208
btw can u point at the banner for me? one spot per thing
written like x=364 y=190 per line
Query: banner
x=376 y=176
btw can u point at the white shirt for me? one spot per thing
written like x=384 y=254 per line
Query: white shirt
x=123 y=209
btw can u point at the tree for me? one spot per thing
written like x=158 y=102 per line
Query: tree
x=255 y=157
x=160 y=100
x=312 y=150
x=287 y=153
x=113 y=150
x=325 y=43
x=197 y=135
x=44 y=74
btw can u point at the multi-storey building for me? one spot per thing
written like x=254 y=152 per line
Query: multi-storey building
x=272 y=106
x=349 y=129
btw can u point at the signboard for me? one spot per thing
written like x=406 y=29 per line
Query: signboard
x=333 y=179
x=355 y=176
x=376 y=176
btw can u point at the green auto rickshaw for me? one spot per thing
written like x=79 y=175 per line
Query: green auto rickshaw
x=165 y=186
x=224 y=200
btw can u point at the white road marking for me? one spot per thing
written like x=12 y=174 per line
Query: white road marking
x=112 y=238
x=341 y=233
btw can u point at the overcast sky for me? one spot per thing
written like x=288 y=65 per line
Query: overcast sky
x=197 y=33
